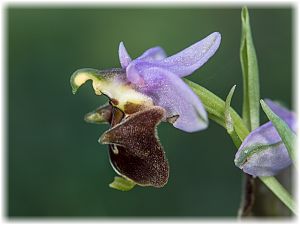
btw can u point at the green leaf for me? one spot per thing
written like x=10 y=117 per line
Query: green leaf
x=229 y=124
x=228 y=119
x=287 y=135
x=250 y=75
x=122 y=184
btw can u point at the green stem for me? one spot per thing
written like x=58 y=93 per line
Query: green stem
x=273 y=184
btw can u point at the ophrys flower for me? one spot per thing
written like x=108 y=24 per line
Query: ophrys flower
x=144 y=92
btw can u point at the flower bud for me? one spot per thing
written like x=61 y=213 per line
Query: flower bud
x=263 y=153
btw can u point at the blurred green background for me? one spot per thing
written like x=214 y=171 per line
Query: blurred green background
x=56 y=166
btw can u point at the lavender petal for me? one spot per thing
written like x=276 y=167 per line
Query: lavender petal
x=170 y=92
x=190 y=59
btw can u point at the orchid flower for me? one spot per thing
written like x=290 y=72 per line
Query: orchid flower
x=263 y=153
x=144 y=92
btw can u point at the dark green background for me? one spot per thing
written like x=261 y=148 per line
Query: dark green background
x=56 y=166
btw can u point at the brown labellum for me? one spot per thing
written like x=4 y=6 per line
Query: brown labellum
x=134 y=149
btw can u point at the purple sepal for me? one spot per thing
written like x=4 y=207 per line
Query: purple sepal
x=159 y=77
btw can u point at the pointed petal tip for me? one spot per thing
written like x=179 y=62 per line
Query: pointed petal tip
x=124 y=57
x=216 y=36
x=193 y=57
x=121 y=46
x=215 y=40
